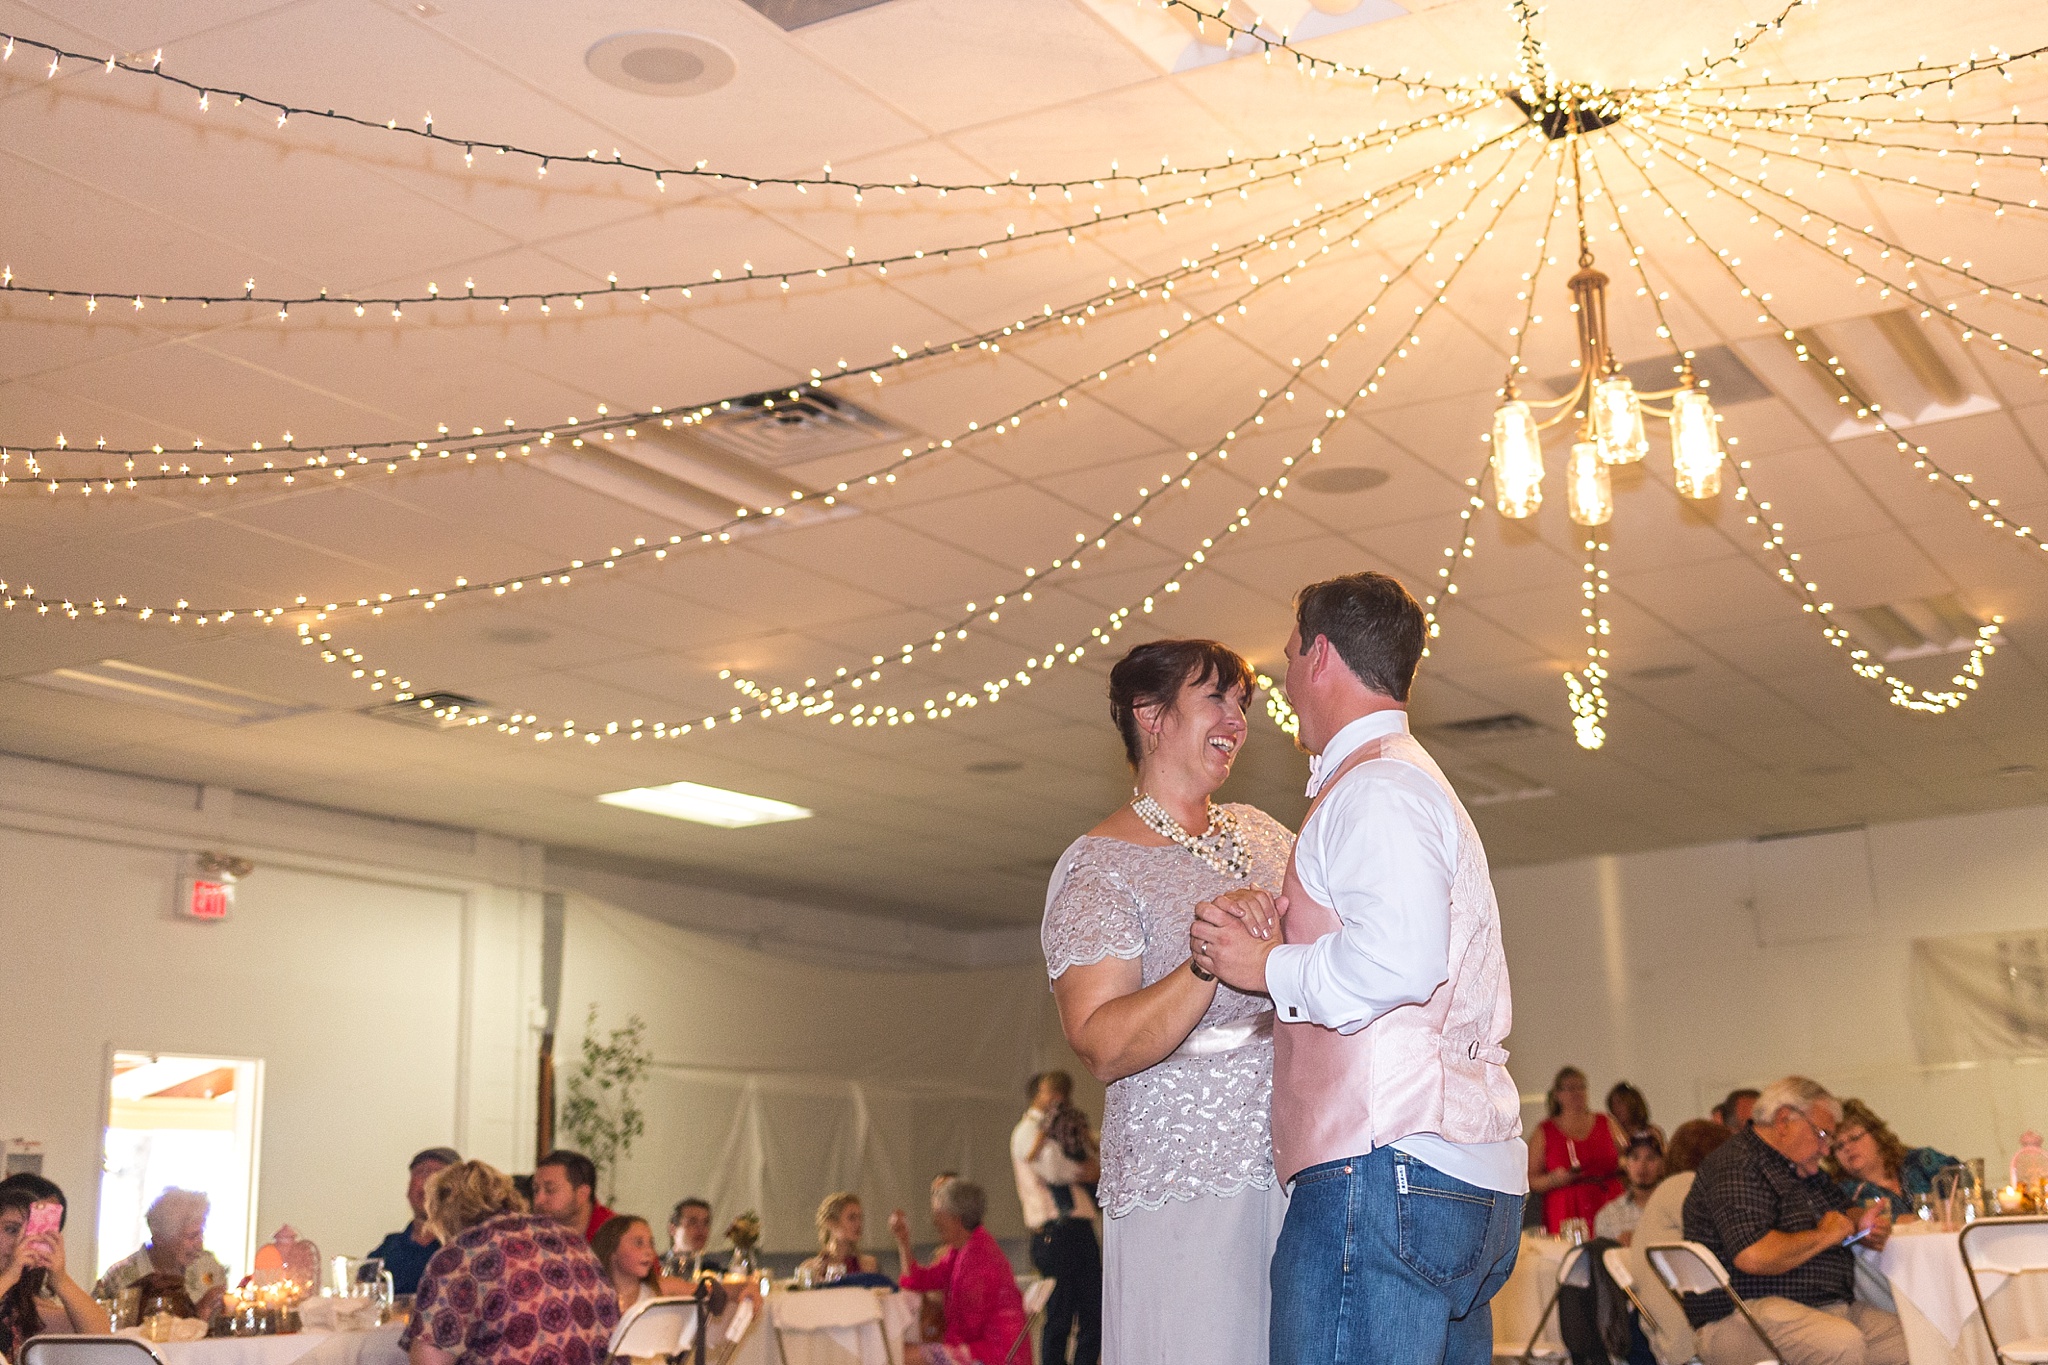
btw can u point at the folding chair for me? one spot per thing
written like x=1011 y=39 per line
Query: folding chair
x=2005 y=1246
x=1615 y=1259
x=1689 y=1268
x=1037 y=1295
x=1575 y=1270
x=79 y=1350
x=652 y=1327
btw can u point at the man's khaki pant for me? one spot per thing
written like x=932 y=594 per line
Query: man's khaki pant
x=1839 y=1334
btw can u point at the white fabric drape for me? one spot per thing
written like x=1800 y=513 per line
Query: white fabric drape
x=777 y=1082
x=1980 y=997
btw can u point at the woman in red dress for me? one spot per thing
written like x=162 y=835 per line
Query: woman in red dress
x=1575 y=1159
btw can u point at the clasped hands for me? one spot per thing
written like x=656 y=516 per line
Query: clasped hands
x=1233 y=934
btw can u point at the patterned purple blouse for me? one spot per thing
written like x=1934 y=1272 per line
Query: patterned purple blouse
x=515 y=1290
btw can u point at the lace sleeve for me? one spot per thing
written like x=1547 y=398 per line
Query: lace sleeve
x=1090 y=914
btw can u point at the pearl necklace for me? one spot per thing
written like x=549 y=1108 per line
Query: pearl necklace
x=1219 y=846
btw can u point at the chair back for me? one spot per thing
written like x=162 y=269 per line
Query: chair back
x=1687 y=1268
x=1615 y=1259
x=651 y=1327
x=2005 y=1246
x=821 y=1310
x=80 y=1350
x=1036 y=1295
x=1576 y=1267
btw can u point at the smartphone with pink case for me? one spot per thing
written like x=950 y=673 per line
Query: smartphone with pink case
x=42 y=1217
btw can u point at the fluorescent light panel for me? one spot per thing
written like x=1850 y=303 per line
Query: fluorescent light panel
x=706 y=805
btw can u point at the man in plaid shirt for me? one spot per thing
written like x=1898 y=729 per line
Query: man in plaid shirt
x=1781 y=1228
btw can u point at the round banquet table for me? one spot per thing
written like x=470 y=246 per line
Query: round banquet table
x=1521 y=1299
x=1924 y=1268
x=379 y=1346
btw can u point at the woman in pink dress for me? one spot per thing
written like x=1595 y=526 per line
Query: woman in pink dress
x=1575 y=1156
x=984 y=1312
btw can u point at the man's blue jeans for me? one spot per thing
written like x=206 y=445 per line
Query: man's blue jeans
x=1384 y=1260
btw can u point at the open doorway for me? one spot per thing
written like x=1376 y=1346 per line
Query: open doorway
x=186 y=1121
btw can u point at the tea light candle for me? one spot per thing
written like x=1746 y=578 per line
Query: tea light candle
x=2011 y=1200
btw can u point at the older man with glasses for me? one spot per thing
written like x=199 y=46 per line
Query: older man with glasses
x=1783 y=1230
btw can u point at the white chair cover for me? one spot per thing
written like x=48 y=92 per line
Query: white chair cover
x=78 y=1350
x=651 y=1327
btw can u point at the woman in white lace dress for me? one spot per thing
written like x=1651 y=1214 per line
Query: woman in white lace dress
x=1187 y=1185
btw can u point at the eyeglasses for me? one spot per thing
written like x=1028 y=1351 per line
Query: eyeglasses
x=1826 y=1135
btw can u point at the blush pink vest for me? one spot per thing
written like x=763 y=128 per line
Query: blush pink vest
x=1437 y=1067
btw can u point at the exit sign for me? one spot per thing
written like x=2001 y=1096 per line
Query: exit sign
x=207 y=900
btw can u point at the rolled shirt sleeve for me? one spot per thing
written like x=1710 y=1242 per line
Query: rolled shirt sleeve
x=1381 y=850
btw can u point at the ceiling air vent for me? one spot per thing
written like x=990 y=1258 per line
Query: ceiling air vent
x=1495 y=784
x=433 y=711
x=1727 y=378
x=795 y=14
x=778 y=429
x=1917 y=628
x=1507 y=725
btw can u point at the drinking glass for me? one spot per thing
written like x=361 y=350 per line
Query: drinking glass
x=1573 y=1230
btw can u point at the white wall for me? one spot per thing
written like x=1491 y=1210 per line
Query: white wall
x=388 y=975
x=777 y=1082
x=382 y=972
x=1693 y=971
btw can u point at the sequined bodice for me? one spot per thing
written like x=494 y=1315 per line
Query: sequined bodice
x=1187 y=1126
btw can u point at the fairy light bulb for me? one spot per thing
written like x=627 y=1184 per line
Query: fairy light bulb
x=1618 y=421
x=1589 y=490
x=1517 y=460
x=1695 y=444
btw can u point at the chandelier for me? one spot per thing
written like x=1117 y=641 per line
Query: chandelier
x=1610 y=414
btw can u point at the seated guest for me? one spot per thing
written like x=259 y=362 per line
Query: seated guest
x=1662 y=1223
x=405 y=1253
x=1575 y=1156
x=1763 y=1206
x=506 y=1287
x=1870 y=1160
x=689 y=1232
x=1595 y=1320
x=984 y=1311
x=840 y=1224
x=565 y=1190
x=176 y=1246
x=37 y=1293
x=1734 y=1112
x=624 y=1246
x=1642 y=1166
x=1627 y=1107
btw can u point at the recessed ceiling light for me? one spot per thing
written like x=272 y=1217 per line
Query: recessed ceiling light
x=194 y=698
x=656 y=62
x=706 y=805
x=1343 y=478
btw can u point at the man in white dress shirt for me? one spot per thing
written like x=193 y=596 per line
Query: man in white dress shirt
x=1394 y=1118
x=1061 y=1215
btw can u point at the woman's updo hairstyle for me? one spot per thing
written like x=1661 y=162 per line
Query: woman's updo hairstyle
x=1153 y=675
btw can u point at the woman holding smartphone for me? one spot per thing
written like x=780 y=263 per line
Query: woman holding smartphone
x=37 y=1293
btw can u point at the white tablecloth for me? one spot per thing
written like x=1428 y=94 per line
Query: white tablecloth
x=1519 y=1301
x=377 y=1347
x=1936 y=1308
